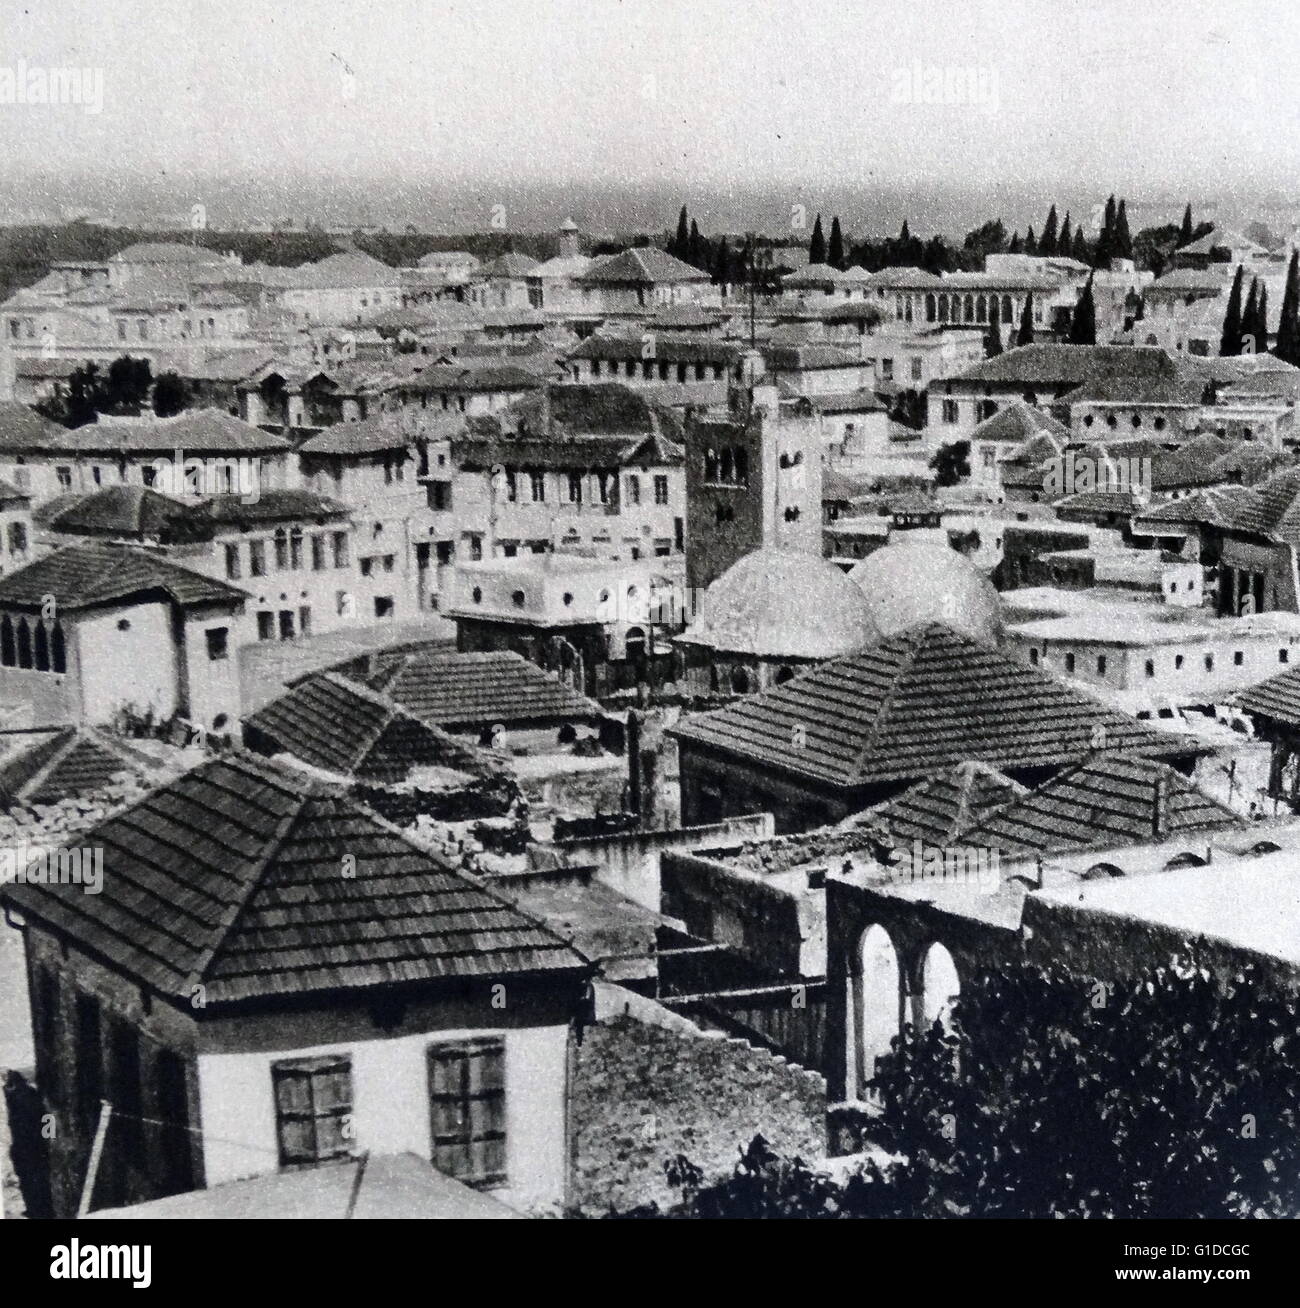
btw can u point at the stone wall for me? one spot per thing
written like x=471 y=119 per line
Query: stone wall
x=645 y=1091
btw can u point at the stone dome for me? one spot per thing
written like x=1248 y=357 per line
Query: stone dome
x=782 y=603
x=910 y=582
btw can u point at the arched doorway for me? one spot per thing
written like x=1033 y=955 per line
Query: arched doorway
x=875 y=1007
x=940 y=985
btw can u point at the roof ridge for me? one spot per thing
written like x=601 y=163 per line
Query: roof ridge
x=913 y=640
x=198 y=971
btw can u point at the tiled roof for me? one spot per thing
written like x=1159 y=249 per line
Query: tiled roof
x=1270 y=509
x=1185 y=392
x=937 y=809
x=370 y=436
x=1217 y=506
x=1277 y=698
x=576 y=454
x=255 y=882
x=1108 y=800
x=644 y=267
x=347 y=728
x=67 y=762
x=471 y=690
x=658 y=349
x=1070 y=365
x=348 y=268
x=82 y=576
x=1017 y=422
x=197 y=432
x=916 y=703
x=22 y=428
x=273 y=505
x=1090 y=502
x=125 y=510
x=511 y=265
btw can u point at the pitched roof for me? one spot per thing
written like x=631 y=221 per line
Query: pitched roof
x=22 y=428
x=372 y=1186
x=1270 y=509
x=347 y=728
x=511 y=264
x=348 y=268
x=1071 y=365
x=70 y=761
x=1018 y=422
x=277 y=504
x=229 y=878
x=937 y=809
x=1278 y=698
x=371 y=435
x=644 y=266
x=1107 y=800
x=685 y=348
x=196 y=432
x=469 y=690
x=915 y=703
x=82 y=576
x=125 y=510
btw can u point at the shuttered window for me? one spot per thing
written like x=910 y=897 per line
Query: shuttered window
x=467 y=1097
x=313 y=1109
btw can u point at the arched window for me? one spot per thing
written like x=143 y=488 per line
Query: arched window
x=1185 y=859
x=968 y=309
x=1008 y=313
x=783 y=674
x=931 y=309
x=940 y=985
x=727 y=472
x=710 y=465
x=7 y=655
x=875 y=1007
x=58 y=650
x=981 y=309
x=24 y=644
x=281 y=549
x=1099 y=870
x=42 y=653
x=740 y=681
x=742 y=467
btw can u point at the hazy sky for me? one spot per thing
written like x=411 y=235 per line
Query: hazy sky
x=1143 y=92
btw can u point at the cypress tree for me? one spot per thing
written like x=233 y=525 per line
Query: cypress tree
x=681 y=242
x=1248 y=317
x=1230 y=340
x=1065 y=242
x=1105 y=250
x=1031 y=245
x=1014 y=247
x=1047 y=242
x=1123 y=241
x=1081 y=251
x=1288 y=327
x=817 y=246
x=1083 y=326
x=905 y=234
x=1025 y=336
x=722 y=264
x=1185 y=232
x=695 y=248
x=993 y=337
x=835 y=255
x=1261 y=321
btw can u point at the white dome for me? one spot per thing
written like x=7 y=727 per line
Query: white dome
x=782 y=603
x=911 y=582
